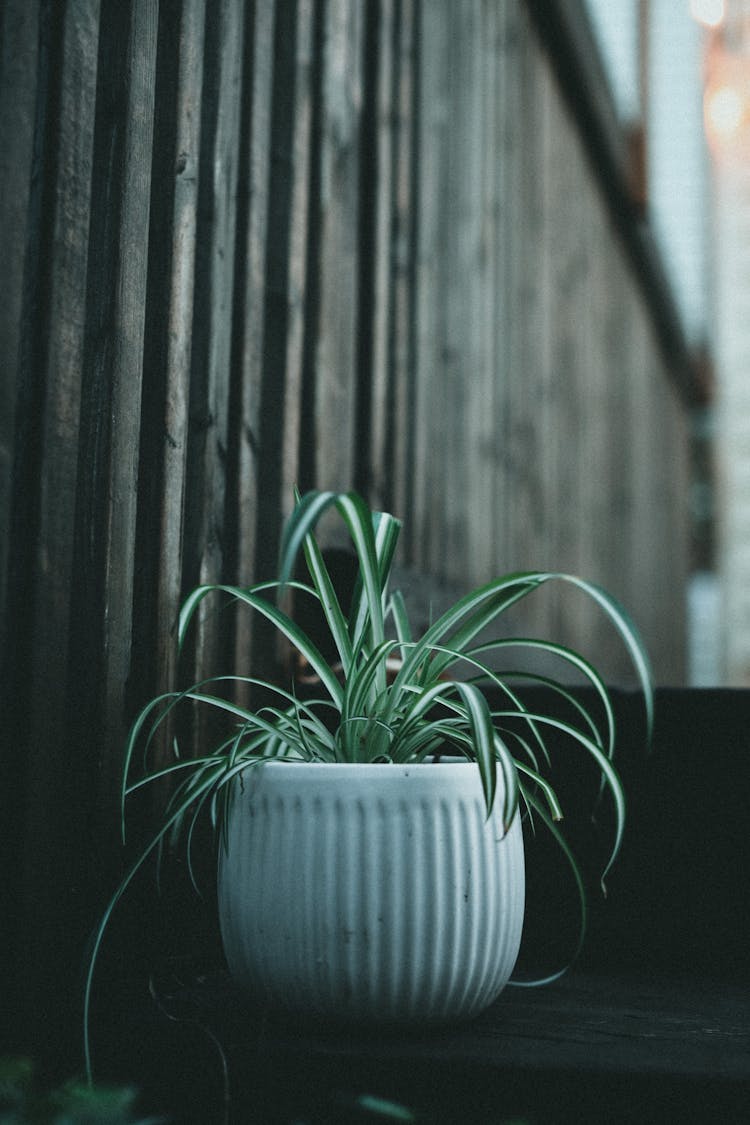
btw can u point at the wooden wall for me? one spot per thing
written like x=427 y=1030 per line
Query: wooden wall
x=333 y=242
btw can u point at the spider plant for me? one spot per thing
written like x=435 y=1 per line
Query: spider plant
x=388 y=696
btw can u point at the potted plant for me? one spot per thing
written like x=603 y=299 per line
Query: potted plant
x=369 y=837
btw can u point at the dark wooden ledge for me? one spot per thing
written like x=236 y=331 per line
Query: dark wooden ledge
x=589 y=1047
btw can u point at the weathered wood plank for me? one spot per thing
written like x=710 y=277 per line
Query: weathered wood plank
x=286 y=275
x=301 y=146
x=47 y=865
x=378 y=168
x=337 y=212
x=249 y=309
x=429 y=456
x=480 y=560
x=210 y=361
x=461 y=281
x=109 y=442
x=526 y=316
x=179 y=319
x=398 y=449
x=18 y=84
x=508 y=252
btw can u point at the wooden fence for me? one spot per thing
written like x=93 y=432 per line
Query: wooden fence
x=338 y=243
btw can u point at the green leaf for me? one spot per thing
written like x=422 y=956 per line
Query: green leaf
x=483 y=739
x=386 y=530
x=607 y=770
x=629 y=634
x=362 y=681
x=462 y=622
x=177 y=814
x=307 y=649
x=397 y=610
x=337 y=622
x=570 y=657
x=580 y=887
x=367 y=610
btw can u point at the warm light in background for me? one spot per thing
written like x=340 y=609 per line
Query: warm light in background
x=708 y=12
x=726 y=102
x=725 y=110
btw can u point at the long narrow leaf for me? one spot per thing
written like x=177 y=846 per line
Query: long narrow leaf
x=569 y=656
x=125 y=882
x=277 y=617
x=397 y=610
x=628 y=633
x=580 y=887
x=483 y=738
x=335 y=619
x=470 y=615
x=359 y=524
x=608 y=771
x=360 y=684
x=304 y=518
x=386 y=530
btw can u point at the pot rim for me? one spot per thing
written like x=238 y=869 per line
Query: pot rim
x=381 y=767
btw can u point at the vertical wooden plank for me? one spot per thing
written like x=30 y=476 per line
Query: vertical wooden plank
x=589 y=223
x=179 y=321
x=642 y=467
x=624 y=500
x=429 y=414
x=301 y=143
x=496 y=300
x=19 y=23
x=649 y=535
x=595 y=542
x=338 y=216
x=509 y=252
x=45 y=474
x=286 y=271
x=249 y=308
x=537 y=320
x=286 y=306
x=676 y=462
x=546 y=451
x=526 y=325
x=618 y=526
x=456 y=231
x=484 y=450
x=569 y=421
x=666 y=537
x=463 y=266
x=578 y=612
x=434 y=460
x=127 y=371
x=381 y=169
x=106 y=508
x=405 y=202
x=208 y=440
x=19 y=81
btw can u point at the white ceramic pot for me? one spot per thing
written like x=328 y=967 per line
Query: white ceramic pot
x=370 y=892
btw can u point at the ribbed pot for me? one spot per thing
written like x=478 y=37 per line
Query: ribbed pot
x=370 y=892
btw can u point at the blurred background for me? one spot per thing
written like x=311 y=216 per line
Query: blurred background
x=680 y=77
